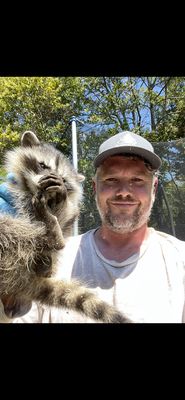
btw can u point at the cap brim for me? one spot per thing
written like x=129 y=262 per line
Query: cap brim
x=152 y=158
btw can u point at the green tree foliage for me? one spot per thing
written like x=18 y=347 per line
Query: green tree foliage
x=153 y=107
x=169 y=211
x=42 y=104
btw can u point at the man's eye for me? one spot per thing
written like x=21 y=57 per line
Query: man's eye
x=111 y=180
x=136 y=180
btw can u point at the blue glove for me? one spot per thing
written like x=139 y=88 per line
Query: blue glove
x=6 y=202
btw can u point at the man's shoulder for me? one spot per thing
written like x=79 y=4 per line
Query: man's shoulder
x=171 y=240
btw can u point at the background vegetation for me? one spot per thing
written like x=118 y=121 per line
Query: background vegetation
x=153 y=107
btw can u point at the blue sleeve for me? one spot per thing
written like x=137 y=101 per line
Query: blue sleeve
x=6 y=202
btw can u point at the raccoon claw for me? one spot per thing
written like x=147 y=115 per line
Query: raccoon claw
x=54 y=190
x=52 y=184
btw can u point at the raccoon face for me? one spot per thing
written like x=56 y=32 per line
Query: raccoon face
x=34 y=161
x=45 y=163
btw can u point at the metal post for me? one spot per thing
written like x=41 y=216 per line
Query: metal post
x=74 y=144
x=75 y=163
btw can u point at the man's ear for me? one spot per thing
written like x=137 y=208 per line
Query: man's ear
x=156 y=184
x=94 y=185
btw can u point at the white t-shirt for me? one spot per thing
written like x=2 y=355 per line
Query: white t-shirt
x=149 y=286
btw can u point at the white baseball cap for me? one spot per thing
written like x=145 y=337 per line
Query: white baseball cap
x=130 y=143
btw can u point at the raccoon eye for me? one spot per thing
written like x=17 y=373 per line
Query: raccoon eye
x=43 y=166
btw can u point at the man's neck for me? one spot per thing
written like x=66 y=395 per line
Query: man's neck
x=120 y=246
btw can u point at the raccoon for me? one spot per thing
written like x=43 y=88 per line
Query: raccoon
x=47 y=198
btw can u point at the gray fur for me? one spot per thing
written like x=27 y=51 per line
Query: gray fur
x=47 y=197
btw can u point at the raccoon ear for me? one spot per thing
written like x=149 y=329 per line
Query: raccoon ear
x=29 y=139
x=80 y=177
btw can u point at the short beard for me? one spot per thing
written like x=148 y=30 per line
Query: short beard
x=140 y=217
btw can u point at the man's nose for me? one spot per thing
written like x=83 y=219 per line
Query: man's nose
x=124 y=188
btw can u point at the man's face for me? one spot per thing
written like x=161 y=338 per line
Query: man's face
x=125 y=192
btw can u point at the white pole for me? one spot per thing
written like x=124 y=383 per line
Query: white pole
x=75 y=163
x=74 y=144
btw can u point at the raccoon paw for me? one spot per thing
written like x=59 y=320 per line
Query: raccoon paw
x=39 y=204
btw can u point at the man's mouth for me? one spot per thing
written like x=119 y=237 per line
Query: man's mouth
x=124 y=204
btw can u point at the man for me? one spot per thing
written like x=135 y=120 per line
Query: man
x=128 y=264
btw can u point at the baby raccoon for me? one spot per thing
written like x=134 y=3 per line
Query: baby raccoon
x=47 y=196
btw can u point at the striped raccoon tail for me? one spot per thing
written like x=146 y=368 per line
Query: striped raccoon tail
x=73 y=296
